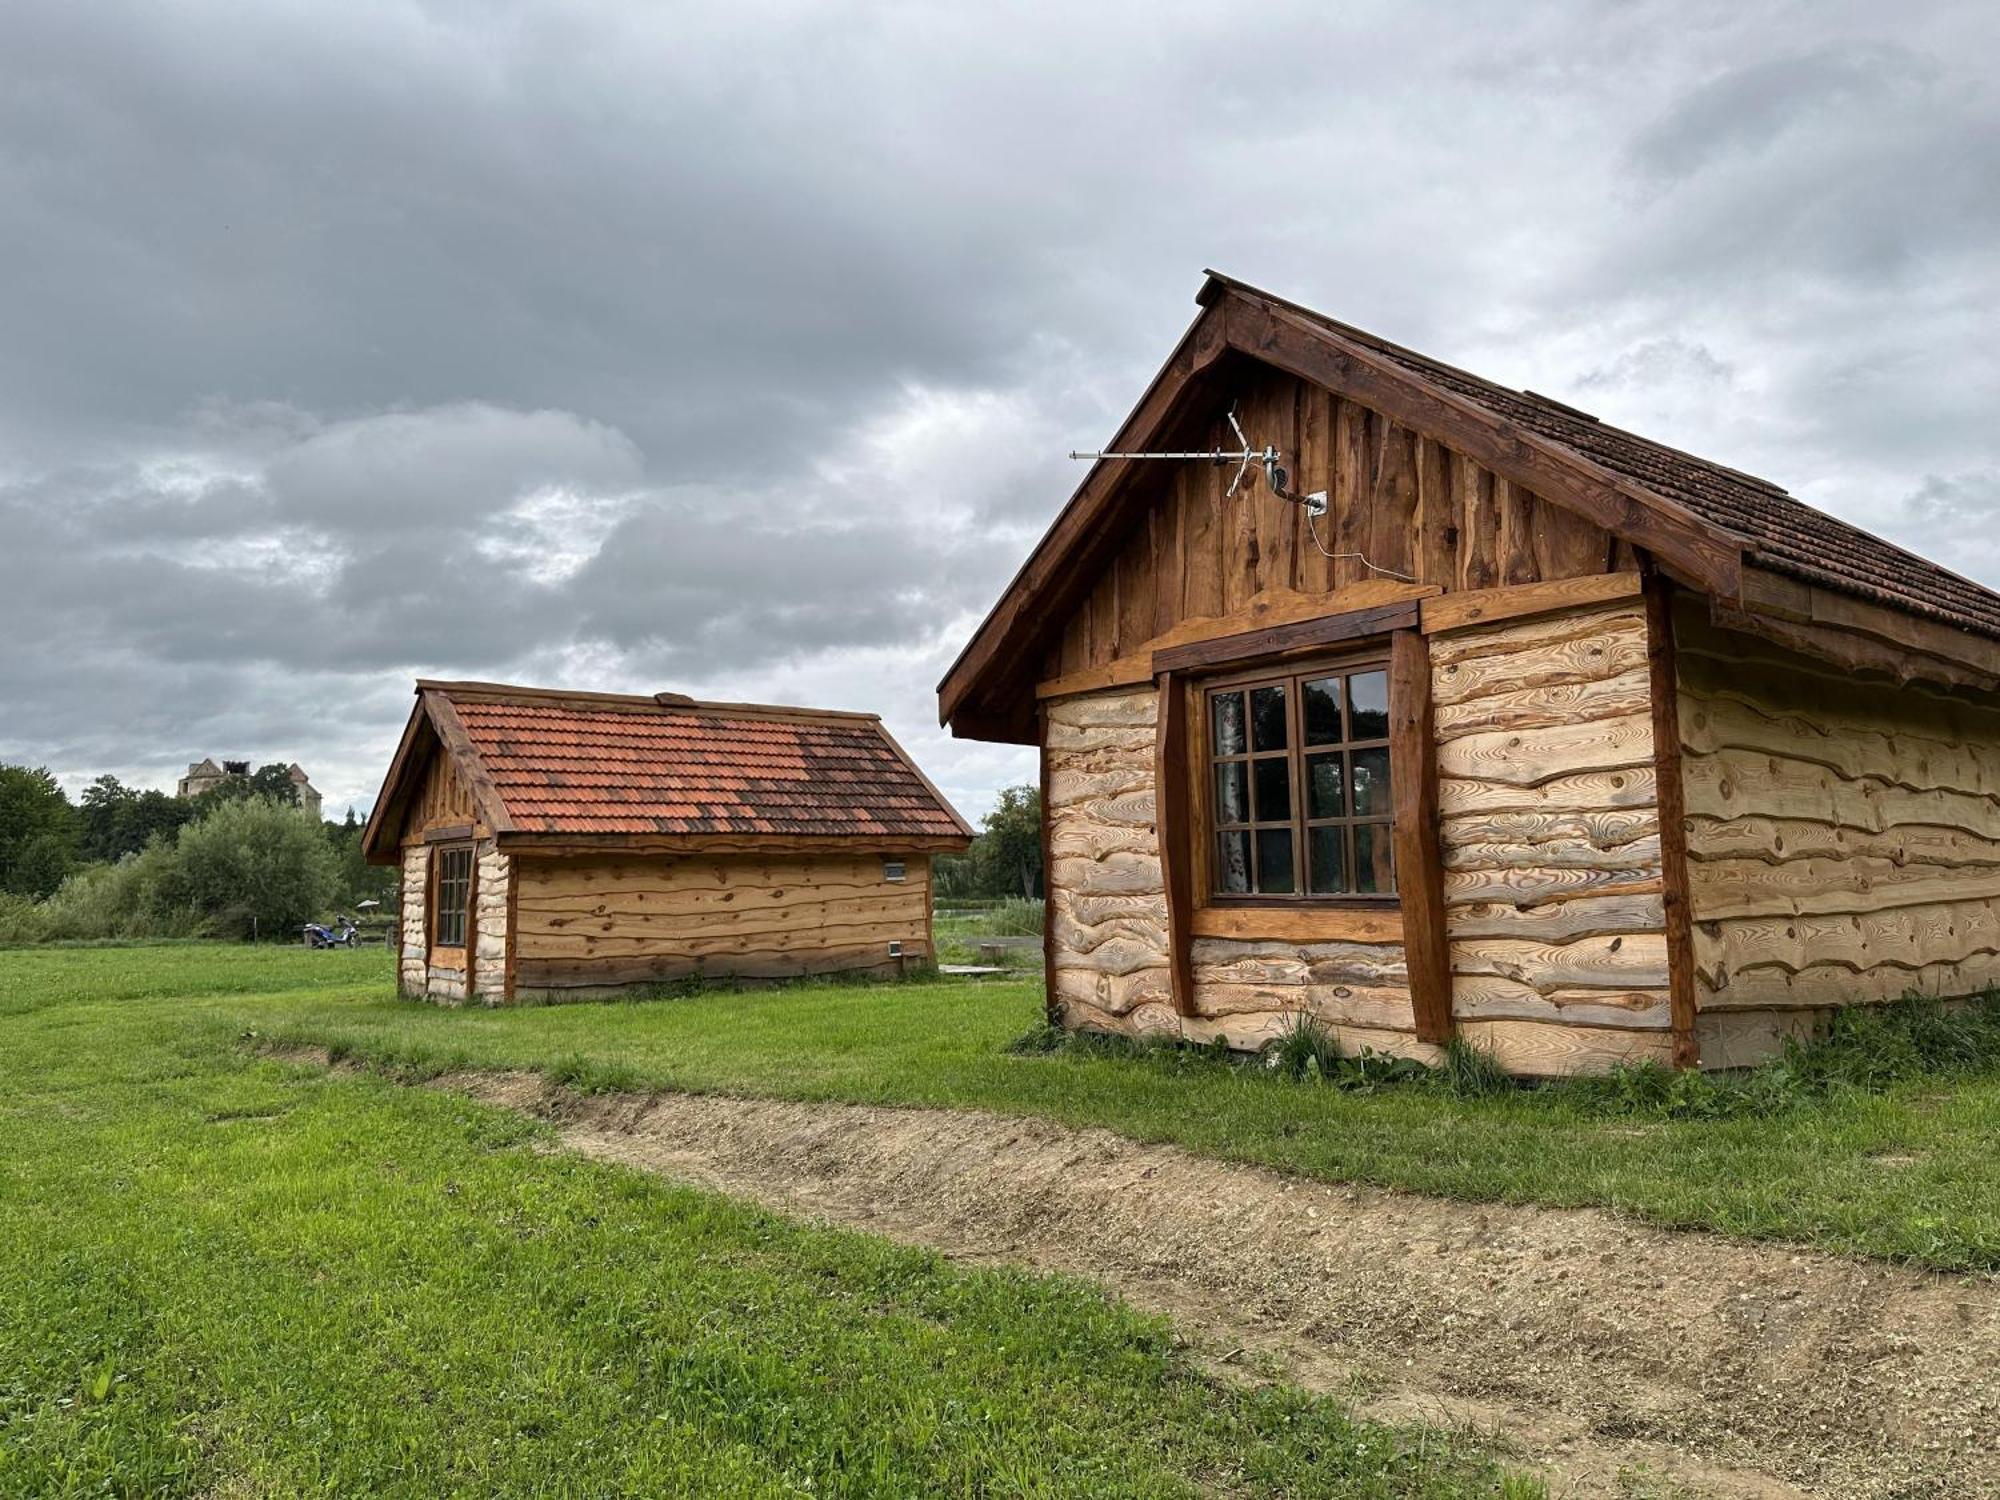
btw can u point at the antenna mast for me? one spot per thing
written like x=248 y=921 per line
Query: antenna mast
x=1271 y=461
x=1268 y=458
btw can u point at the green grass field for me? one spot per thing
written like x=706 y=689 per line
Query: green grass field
x=229 y=1277
x=1910 y=1171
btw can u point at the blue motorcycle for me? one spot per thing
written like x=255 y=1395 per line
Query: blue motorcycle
x=342 y=934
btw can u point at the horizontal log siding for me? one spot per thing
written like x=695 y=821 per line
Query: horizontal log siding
x=1110 y=914
x=413 y=959
x=1107 y=898
x=1843 y=836
x=1551 y=840
x=597 y=923
x=489 y=924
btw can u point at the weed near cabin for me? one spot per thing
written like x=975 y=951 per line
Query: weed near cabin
x=1865 y=1048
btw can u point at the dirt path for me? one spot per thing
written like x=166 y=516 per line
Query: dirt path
x=1595 y=1346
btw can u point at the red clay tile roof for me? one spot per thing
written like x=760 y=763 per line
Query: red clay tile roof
x=1780 y=533
x=598 y=764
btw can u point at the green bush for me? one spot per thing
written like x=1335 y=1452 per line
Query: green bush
x=20 y=919
x=122 y=900
x=253 y=868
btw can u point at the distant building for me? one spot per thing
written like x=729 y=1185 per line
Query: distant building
x=205 y=776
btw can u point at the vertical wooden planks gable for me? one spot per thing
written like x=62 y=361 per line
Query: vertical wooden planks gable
x=1315 y=472
x=1433 y=550
x=1478 y=526
x=1352 y=490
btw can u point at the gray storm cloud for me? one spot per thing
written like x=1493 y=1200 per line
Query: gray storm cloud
x=736 y=349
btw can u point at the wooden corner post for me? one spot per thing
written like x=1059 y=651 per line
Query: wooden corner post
x=1051 y=1007
x=1671 y=809
x=1174 y=831
x=1413 y=778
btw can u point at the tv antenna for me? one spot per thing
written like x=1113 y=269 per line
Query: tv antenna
x=1271 y=461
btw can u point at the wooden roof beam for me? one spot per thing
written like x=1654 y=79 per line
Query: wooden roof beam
x=1687 y=546
x=1078 y=532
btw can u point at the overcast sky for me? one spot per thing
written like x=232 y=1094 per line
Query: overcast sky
x=736 y=350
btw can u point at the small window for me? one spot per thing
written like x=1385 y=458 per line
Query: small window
x=893 y=870
x=1298 y=786
x=453 y=898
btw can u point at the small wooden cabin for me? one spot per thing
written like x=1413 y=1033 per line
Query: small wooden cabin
x=558 y=844
x=1543 y=735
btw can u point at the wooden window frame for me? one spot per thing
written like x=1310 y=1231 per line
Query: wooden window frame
x=1374 y=655
x=440 y=852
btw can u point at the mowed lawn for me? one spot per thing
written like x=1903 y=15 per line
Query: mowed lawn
x=1911 y=1172
x=226 y=1276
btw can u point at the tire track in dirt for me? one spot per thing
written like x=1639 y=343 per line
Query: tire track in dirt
x=1589 y=1344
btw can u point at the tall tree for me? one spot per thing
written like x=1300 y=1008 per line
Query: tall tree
x=119 y=820
x=39 y=832
x=1008 y=851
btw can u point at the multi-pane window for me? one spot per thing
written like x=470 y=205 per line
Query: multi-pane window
x=452 y=897
x=1299 y=785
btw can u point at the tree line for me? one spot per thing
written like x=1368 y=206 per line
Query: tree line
x=241 y=860
x=1005 y=860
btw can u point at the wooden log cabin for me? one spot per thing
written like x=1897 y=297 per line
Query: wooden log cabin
x=557 y=845
x=1543 y=735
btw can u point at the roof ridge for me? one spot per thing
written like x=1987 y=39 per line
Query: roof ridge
x=1418 y=357
x=1768 y=547
x=660 y=703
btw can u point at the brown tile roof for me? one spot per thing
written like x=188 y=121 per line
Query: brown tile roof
x=1780 y=533
x=603 y=764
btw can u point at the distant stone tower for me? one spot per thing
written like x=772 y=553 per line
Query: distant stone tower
x=205 y=775
x=202 y=776
x=308 y=795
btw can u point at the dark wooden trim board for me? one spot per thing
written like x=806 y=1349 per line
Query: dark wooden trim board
x=556 y=845
x=1672 y=813
x=1275 y=641
x=1489 y=606
x=472 y=770
x=451 y=833
x=513 y=929
x=1419 y=851
x=1050 y=1006
x=1077 y=535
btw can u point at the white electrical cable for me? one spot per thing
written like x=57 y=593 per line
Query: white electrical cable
x=1312 y=528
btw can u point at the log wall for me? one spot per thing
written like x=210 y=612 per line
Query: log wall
x=585 y=925
x=442 y=801
x=1843 y=837
x=1551 y=847
x=1551 y=839
x=492 y=874
x=1108 y=905
x=413 y=966
x=1109 y=910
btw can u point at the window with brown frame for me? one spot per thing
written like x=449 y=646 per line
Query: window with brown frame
x=1298 y=785
x=451 y=898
